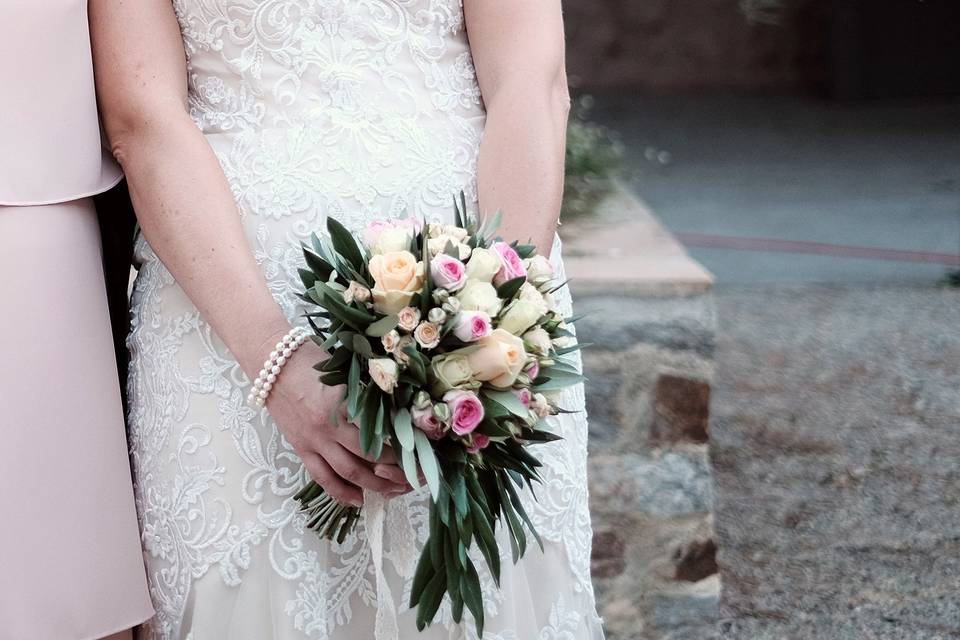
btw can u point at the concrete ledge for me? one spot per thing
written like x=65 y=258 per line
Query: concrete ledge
x=623 y=248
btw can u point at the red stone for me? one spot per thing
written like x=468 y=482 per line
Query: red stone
x=607 y=559
x=681 y=410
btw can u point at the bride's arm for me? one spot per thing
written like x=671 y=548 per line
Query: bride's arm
x=188 y=214
x=518 y=52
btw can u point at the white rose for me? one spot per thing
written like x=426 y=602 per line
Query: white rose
x=457 y=233
x=483 y=265
x=393 y=239
x=520 y=316
x=480 y=296
x=539 y=269
x=529 y=293
x=383 y=372
x=434 y=230
x=563 y=342
x=539 y=339
x=438 y=245
x=551 y=302
x=540 y=406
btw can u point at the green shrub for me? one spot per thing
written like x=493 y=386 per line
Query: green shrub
x=594 y=157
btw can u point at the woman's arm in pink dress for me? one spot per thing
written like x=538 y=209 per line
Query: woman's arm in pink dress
x=518 y=52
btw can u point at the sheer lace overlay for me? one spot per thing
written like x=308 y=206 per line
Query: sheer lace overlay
x=357 y=109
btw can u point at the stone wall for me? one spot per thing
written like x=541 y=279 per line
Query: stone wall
x=650 y=319
x=671 y=45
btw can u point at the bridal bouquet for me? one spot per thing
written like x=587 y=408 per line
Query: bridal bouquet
x=450 y=347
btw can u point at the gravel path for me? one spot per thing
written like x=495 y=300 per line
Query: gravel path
x=836 y=452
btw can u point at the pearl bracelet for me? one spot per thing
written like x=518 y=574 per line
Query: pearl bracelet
x=271 y=367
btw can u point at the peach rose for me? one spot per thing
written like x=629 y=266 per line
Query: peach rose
x=408 y=318
x=383 y=372
x=397 y=275
x=499 y=360
x=427 y=335
x=356 y=291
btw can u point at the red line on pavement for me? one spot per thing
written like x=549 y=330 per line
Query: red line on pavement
x=709 y=241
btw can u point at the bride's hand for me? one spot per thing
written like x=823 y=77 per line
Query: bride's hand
x=313 y=419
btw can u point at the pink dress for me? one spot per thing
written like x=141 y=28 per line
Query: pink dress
x=71 y=567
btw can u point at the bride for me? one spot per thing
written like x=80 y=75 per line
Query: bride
x=242 y=125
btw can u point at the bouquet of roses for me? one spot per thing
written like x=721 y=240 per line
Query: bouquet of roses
x=449 y=345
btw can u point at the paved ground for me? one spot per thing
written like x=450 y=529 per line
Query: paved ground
x=876 y=175
x=836 y=431
x=836 y=454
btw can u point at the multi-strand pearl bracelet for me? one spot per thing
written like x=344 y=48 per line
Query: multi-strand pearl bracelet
x=271 y=367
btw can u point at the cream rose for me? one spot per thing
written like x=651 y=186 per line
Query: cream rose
x=397 y=276
x=450 y=371
x=427 y=335
x=539 y=269
x=520 y=316
x=455 y=232
x=383 y=372
x=539 y=339
x=499 y=359
x=477 y=295
x=394 y=238
x=483 y=265
x=540 y=406
x=529 y=293
x=434 y=230
x=356 y=291
x=438 y=245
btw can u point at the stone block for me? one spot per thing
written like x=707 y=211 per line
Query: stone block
x=608 y=555
x=681 y=409
x=695 y=560
x=661 y=484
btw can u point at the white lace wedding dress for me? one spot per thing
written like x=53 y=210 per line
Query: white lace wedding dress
x=357 y=109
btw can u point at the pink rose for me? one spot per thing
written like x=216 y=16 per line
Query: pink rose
x=472 y=325
x=426 y=420
x=372 y=233
x=533 y=369
x=524 y=396
x=448 y=272
x=511 y=266
x=480 y=441
x=466 y=410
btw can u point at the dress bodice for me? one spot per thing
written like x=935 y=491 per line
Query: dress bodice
x=50 y=149
x=372 y=103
